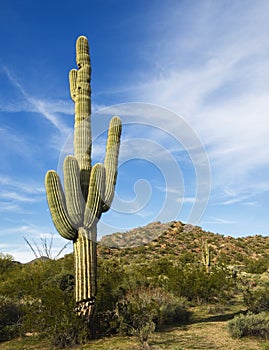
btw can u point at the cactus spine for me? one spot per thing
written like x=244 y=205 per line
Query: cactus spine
x=88 y=191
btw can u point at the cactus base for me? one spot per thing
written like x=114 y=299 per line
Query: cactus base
x=86 y=308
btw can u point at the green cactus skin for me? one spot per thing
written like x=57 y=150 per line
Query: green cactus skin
x=206 y=259
x=88 y=191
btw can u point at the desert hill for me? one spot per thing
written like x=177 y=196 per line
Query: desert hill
x=176 y=239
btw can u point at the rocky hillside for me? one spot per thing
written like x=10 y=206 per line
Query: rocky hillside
x=135 y=237
x=178 y=239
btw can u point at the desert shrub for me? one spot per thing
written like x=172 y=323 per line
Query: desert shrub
x=52 y=314
x=111 y=284
x=136 y=313
x=195 y=284
x=256 y=266
x=7 y=265
x=224 y=258
x=189 y=280
x=10 y=316
x=187 y=257
x=250 y=325
x=256 y=300
x=45 y=292
x=63 y=280
x=31 y=279
x=145 y=309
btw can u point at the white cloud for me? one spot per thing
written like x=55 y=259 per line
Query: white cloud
x=30 y=188
x=13 y=196
x=217 y=220
x=30 y=229
x=48 y=109
x=191 y=200
x=222 y=90
x=12 y=142
x=10 y=207
x=246 y=194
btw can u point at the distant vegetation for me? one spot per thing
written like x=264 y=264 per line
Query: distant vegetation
x=154 y=281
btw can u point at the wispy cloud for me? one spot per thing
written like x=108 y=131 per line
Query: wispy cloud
x=170 y=190
x=221 y=221
x=30 y=188
x=11 y=141
x=190 y=200
x=223 y=90
x=48 y=109
x=11 y=208
x=30 y=229
x=16 y=195
x=246 y=194
x=237 y=199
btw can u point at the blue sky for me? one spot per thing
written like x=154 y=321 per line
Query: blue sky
x=190 y=80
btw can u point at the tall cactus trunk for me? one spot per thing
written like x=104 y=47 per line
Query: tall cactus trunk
x=206 y=258
x=89 y=190
x=85 y=259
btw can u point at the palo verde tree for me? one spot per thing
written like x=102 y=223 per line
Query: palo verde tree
x=88 y=190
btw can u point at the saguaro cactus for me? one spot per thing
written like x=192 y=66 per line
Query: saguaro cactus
x=88 y=191
x=206 y=258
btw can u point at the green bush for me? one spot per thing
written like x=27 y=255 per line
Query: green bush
x=257 y=300
x=52 y=314
x=256 y=266
x=111 y=284
x=143 y=307
x=45 y=291
x=250 y=325
x=195 y=284
x=190 y=280
x=10 y=316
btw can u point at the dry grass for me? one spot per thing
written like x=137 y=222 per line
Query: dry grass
x=208 y=330
x=205 y=335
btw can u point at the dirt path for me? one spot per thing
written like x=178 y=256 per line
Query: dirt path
x=204 y=335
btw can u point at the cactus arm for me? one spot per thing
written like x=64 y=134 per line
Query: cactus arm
x=111 y=160
x=57 y=206
x=73 y=83
x=74 y=199
x=94 y=203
